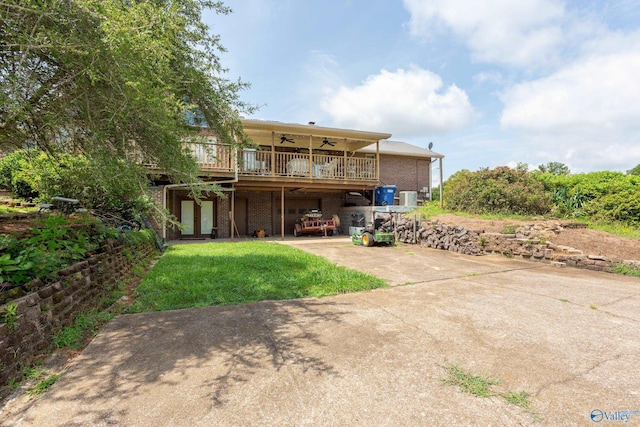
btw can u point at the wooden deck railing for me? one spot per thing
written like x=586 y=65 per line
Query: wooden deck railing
x=221 y=158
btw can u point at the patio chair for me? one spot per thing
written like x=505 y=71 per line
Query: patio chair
x=329 y=169
x=298 y=167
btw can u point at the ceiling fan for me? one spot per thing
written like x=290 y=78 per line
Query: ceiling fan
x=327 y=142
x=284 y=139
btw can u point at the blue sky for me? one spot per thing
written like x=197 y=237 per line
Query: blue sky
x=489 y=82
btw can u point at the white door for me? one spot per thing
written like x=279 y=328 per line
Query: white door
x=187 y=217
x=206 y=217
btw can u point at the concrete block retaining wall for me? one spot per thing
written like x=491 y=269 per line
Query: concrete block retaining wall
x=53 y=307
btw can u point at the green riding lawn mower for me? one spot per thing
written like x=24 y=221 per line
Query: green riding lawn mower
x=380 y=232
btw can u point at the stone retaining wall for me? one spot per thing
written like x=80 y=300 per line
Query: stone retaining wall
x=528 y=242
x=515 y=245
x=53 y=307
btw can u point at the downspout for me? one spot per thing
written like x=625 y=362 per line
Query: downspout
x=431 y=179
x=310 y=156
x=441 y=187
x=164 y=193
x=282 y=212
x=378 y=183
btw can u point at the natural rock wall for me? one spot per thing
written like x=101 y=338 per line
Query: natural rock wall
x=435 y=235
x=529 y=242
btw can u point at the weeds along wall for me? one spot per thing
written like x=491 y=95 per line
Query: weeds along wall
x=28 y=324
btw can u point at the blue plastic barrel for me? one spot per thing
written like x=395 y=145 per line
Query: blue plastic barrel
x=385 y=194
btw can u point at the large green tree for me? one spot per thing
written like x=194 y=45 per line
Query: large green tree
x=115 y=80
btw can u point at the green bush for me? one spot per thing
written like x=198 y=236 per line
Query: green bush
x=500 y=190
x=601 y=196
x=11 y=166
x=53 y=244
x=35 y=174
x=621 y=206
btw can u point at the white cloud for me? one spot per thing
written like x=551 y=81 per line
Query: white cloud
x=587 y=112
x=591 y=94
x=405 y=103
x=511 y=32
x=493 y=77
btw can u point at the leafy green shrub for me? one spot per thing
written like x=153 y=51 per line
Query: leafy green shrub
x=33 y=173
x=10 y=167
x=10 y=315
x=54 y=244
x=499 y=190
x=9 y=164
x=602 y=196
x=13 y=270
x=622 y=206
x=568 y=204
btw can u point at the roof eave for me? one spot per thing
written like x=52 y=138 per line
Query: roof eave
x=313 y=130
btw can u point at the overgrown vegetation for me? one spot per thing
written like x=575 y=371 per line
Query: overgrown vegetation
x=85 y=324
x=35 y=175
x=10 y=315
x=36 y=379
x=237 y=273
x=596 y=197
x=500 y=190
x=52 y=244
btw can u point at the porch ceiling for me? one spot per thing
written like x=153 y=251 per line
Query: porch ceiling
x=300 y=136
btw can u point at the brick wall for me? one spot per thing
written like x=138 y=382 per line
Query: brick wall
x=331 y=204
x=53 y=307
x=156 y=193
x=263 y=206
x=260 y=214
x=407 y=173
x=224 y=207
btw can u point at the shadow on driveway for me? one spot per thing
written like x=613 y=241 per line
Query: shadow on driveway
x=567 y=337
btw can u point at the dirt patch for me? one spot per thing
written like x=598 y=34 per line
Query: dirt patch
x=591 y=242
x=17 y=224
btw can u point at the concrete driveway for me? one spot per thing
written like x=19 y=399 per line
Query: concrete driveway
x=568 y=337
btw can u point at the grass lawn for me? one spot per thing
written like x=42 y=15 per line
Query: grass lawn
x=7 y=210
x=236 y=273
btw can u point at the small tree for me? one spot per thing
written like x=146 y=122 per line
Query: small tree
x=555 y=168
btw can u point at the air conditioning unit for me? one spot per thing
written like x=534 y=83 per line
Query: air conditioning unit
x=408 y=198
